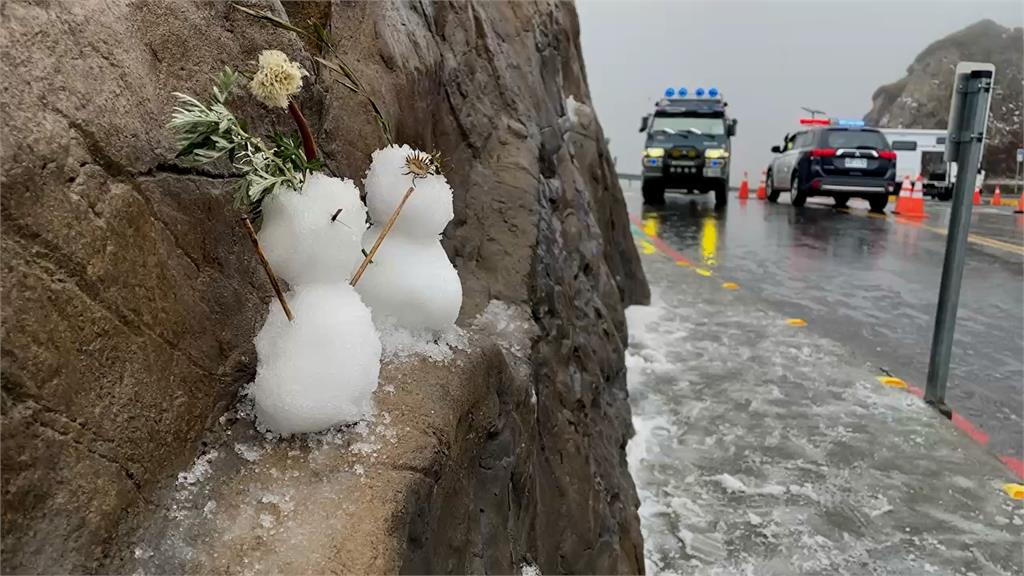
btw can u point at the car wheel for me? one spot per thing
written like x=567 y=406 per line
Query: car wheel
x=721 y=195
x=945 y=196
x=879 y=202
x=773 y=193
x=841 y=200
x=797 y=196
x=654 y=193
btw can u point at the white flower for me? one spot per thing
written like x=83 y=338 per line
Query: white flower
x=277 y=79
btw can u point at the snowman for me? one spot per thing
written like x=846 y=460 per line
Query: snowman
x=320 y=369
x=410 y=280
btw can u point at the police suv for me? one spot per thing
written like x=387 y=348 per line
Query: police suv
x=841 y=159
x=687 y=145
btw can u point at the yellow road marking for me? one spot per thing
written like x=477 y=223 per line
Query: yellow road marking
x=730 y=285
x=982 y=240
x=1015 y=491
x=796 y=322
x=703 y=271
x=647 y=247
x=892 y=381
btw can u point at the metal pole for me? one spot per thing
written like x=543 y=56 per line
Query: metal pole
x=970 y=132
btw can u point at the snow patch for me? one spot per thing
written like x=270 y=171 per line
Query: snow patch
x=199 y=470
x=401 y=343
x=527 y=569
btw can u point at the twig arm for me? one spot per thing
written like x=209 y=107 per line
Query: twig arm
x=380 y=239
x=266 y=268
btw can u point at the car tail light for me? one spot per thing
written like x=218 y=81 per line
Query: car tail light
x=887 y=154
x=823 y=152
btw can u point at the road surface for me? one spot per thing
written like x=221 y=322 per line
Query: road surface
x=765 y=443
x=871 y=282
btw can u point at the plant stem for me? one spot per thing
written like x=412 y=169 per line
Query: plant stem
x=267 y=268
x=308 y=145
x=380 y=239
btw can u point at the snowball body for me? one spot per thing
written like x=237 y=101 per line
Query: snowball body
x=412 y=281
x=321 y=369
x=300 y=239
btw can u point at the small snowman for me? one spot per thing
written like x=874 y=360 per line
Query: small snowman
x=410 y=280
x=320 y=369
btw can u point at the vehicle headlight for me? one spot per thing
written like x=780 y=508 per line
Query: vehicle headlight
x=654 y=152
x=716 y=153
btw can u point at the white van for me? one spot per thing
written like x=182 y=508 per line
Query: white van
x=920 y=152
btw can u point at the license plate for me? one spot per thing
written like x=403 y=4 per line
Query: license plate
x=683 y=163
x=856 y=162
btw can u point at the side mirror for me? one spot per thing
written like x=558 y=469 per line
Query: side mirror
x=643 y=123
x=732 y=127
x=777 y=149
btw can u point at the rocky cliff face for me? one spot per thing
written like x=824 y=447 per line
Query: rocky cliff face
x=921 y=98
x=130 y=295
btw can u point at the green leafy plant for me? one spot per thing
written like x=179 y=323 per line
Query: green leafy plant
x=210 y=132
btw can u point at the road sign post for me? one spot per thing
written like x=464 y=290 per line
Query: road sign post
x=968 y=113
x=1018 y=175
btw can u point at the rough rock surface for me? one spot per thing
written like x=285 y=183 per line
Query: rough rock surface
x=921 y=98
x=373 y=499
x=130 y=295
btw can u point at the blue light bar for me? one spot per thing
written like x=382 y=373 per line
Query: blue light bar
x=682 y=92
x=669 y=92
x=713 y=92
x=699 y=93
x=851 y=123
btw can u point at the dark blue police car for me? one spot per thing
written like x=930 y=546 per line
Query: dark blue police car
x=841 y=159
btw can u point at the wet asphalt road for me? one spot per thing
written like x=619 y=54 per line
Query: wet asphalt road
x=871 y=282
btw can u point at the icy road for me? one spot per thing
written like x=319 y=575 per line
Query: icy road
x=766 y=443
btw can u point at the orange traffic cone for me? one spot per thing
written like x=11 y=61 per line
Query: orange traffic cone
x=761 y=194
x=744 y=187
x=1020 y=205
x=917 y=200
x=977 y=196
x=997 y=197
x=903 y=200
x=911 y=200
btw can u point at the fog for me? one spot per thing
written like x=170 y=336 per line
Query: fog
x=768 y=58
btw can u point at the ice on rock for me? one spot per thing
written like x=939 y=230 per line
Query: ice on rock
x=321 y=369
x=410 y=281
x=314 y=236
x=427 y=211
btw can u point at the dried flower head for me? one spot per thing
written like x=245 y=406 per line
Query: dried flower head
x=277 y=79
x=420 y=165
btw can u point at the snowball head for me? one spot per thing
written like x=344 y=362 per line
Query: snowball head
x=301 y=237
x=412 y=282
x=321 y=369
x=429 y=208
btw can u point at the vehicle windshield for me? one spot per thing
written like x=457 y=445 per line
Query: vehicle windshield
x=690 y=125
x=856 y=139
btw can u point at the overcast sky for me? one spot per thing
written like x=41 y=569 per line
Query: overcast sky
x=768 y=57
